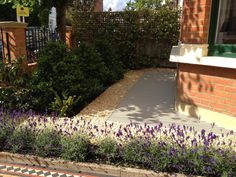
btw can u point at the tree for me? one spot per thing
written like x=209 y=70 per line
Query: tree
x=148 y=4
x=7 y=13
x=60 y=5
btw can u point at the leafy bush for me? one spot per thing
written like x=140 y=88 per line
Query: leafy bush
x=91 y=64
x=135 y=151
x=5 y=132
x=15 y=73
x=75 y=148
x=22 y=140
x=108 y=149
x=77 y=76
x=48 y=144
x=111 y=60
x=12 y=98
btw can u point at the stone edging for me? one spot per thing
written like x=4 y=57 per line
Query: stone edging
x=80 y=167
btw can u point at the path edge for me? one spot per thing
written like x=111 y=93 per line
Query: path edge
x=92 y=168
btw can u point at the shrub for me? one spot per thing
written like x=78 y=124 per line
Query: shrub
x=15 y=73
x=12 y=98
x=108 y=149
x=5 y=132
x=91 y=64
x=167 y=149
x=62 y=75
x=68 y=80
x=48 y=144
x=22 y=140
x=111 y=60
x=135 y=151
x=75 y=148
x=164 y=157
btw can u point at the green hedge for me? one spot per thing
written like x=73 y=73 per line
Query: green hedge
x=64 y=81
x=140 y=39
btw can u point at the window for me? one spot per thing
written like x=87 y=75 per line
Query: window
x=226 y=27
x=222 y=37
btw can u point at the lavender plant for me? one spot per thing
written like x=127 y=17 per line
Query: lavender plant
x=48 y=143
x=108 y=150
x=75 y=148
x=170 y=148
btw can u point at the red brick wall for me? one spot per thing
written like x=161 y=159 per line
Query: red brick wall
x=195 y=21
x=213 y=88
x=99 y=6
x=17 y=43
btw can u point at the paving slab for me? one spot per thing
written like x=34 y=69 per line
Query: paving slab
x=152 y=100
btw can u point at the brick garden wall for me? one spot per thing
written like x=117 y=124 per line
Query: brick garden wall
x=212 y=88
x=195 y=21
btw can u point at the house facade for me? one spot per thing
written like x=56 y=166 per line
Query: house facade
x=206 y=57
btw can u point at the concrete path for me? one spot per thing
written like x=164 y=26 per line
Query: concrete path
x=151 y=100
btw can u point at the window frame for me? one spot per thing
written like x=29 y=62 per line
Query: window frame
x=223 y=50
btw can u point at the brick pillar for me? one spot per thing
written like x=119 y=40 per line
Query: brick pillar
x=69 y=40
x=16 y=40
x=99 y=6
x=195 y=21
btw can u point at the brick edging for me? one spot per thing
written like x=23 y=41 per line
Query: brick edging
x=59 y=164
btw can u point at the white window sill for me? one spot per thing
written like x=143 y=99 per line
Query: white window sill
x=215 y=61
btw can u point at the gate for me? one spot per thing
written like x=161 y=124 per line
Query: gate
x=5 y=54
x=36 y=40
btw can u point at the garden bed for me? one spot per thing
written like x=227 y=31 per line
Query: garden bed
x=173 y=149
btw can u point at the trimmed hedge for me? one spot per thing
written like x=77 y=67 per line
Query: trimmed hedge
x=139 y=38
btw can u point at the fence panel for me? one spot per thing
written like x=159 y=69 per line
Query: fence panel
x=36 y=40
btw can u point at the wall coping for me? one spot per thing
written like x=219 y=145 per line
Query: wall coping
x=215 y=61
x=12 y=24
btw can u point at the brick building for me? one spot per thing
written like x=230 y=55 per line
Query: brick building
x=206 y=57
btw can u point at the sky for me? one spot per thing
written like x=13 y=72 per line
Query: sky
x=116 y=5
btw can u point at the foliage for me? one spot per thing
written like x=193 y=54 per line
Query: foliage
x=62 y=106
x=107 y=149
x=92 y=65
x=76 y=77
x=148 y=4
x=16 y=98
x=75 y=148
x=139 y=39
x=4 y=134
x=135 y=151
x=48 y=144
x=15 y=73
x=68 y=79
x=171 y=148
x=43 y=9
x=111 y=60
x=7 y=13
x=22 y=140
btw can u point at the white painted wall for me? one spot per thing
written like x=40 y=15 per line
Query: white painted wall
x=53 y=18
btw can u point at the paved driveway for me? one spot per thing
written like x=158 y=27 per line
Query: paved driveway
x=151 y=100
